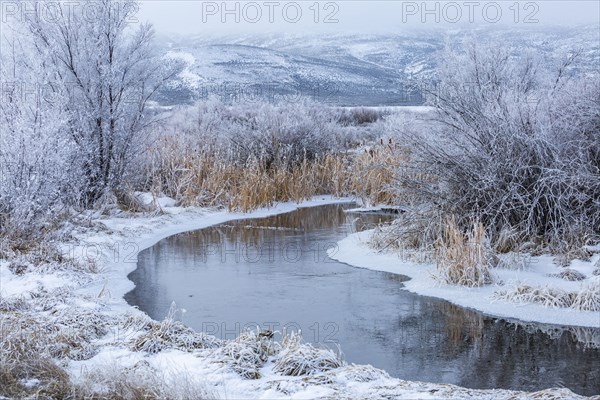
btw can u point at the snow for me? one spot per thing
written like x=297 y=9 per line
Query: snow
x=15 y=285
x=354 y=250
x=150 y=199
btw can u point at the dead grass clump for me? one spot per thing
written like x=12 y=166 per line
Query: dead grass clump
x=140 y=381
x=64 y=334
x=72 y=333
x=46 y=300
x=372 y=173
x=249 y=352
x=19 y=267
x=69 y=344
x=413 y=234
x=171 y=334
x=507 y=240
x=465 y=259
x=46 y=258
x=205 y=174
x=25 y=368
x=33 y=378
x=302 y=359
x=546 y=296
x=588 y=297
x=13 y=303
x=569 y=274
x=362 y=373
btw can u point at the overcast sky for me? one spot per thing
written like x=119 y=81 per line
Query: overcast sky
x=218 y=17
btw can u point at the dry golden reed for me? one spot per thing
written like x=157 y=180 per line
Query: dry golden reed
x=464 y=259
x=200 y=177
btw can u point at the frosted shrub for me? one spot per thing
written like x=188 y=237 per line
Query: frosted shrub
x=516 y=142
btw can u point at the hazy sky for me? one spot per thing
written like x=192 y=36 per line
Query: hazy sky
x=219 y=17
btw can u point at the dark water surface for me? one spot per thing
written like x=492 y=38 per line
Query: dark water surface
x=274 y=272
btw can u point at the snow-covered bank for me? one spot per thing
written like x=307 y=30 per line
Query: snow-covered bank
x=354 y=250
x=178 y=355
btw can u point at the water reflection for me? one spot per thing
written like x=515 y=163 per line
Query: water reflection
x=274 y=273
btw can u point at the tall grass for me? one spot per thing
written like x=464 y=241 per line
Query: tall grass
x=464 y=259
x=194 y=175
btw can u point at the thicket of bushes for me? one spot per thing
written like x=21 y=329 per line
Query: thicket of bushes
x=240 y=156
x=244 y=157
x=515 y=144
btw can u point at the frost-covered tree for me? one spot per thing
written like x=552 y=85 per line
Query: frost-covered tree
x=36 y=160
x=104 y=63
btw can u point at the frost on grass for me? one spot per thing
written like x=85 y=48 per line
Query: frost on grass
x=596 y=271
x=544 y=295
x=45 y=258
x=13 y=303
x=249 y=352
x=569 y=274
x=361 y=373
x=171 y=334
x=67 y=333
x=140 y=381
x=586 y=299
x=252 y=349
x=300 y=359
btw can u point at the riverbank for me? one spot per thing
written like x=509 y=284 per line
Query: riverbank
x=69 y=309
x=538 y=271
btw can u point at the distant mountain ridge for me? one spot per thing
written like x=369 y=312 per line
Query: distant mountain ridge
x=343 y=69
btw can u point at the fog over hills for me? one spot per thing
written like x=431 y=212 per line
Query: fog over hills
x=342 y=69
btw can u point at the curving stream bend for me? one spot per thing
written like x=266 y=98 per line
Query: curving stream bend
x=274 y=273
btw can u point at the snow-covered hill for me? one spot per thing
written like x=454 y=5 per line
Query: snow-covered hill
x=346 y=70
